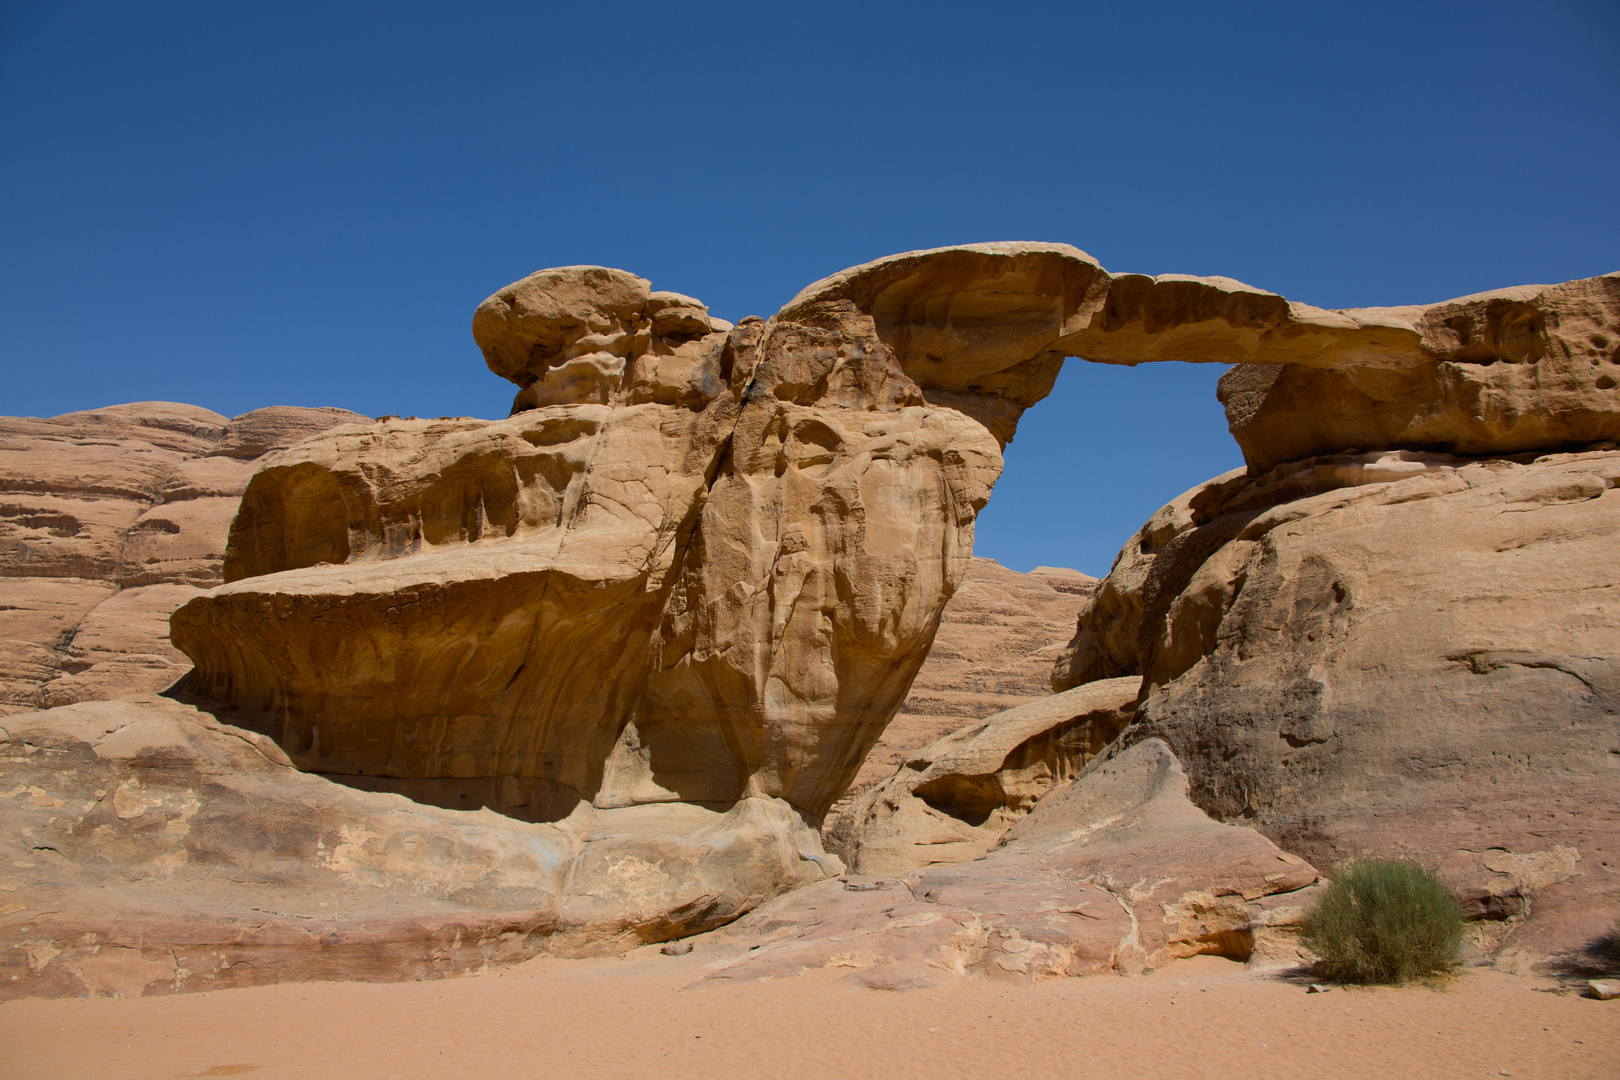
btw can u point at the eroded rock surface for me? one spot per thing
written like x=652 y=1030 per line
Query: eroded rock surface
x=954 y=799
x=1533 y=367
x=152 y=849
x=1397 y=654
x=756 y=528
x=666 y=609
x=1528 y=368
x=703 y=562
x=1117 y=871
x=997 y=640
x=109 y=520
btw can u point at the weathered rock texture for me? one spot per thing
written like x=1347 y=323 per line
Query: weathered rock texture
x=1530 y=368
x=708 y=571
x=150 y=849
x=952 y=800
x=109 y=520
x=1527 y=368
x=755 y=527
x=997 y=640
x=1117 y=871
x=681 y=591
x=1394 y=654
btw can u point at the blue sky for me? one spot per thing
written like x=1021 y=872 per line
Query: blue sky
x=238 y=205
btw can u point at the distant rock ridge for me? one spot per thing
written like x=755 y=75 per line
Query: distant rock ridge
x=109 y=520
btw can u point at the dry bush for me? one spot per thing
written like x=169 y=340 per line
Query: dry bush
x=1384 y=922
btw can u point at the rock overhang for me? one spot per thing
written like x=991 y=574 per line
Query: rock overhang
x=801 y=490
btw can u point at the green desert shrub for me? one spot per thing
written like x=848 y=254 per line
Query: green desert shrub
x=1384 y=922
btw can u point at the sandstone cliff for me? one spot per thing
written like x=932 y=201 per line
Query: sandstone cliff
x=1400 y=654
x=672 y=602
x=109 y=520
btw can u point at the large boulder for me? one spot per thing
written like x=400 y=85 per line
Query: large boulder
x=710 y=574
x=109 y=520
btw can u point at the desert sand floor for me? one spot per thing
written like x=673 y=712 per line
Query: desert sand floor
x=632 y=1018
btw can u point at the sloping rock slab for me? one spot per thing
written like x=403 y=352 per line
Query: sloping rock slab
x=1116 y=872
x=151 y=849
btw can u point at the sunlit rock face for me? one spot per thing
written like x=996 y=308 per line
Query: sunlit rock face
x=663 y=611
x=1533 y=368
x=702 y=562
x=1396 y=653
x=698 y=563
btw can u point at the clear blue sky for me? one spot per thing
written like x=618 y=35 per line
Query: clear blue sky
x=241 y=205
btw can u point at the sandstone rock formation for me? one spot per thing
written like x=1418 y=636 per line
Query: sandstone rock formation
x=665 y=610
x=952 y=800
x=1117 y=871
x=151 y=849
x=757 y=526
x=757 y=532
x=109 y=520
x=997 y=640
x=1529 y=368
x=1398 y=654
x=1535 y=367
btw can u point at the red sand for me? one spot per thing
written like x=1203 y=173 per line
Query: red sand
x=631 y=1018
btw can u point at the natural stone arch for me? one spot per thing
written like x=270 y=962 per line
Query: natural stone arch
x=728 y=547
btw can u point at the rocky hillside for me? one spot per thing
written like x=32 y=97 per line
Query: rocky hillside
x=109 y=520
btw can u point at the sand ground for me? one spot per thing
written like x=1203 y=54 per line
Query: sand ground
x=632 y=1017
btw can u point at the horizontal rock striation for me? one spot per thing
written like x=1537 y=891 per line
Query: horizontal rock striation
x=1533 y=368
x=109 y=520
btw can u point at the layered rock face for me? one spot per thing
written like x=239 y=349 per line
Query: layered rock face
x=151 y=849
x=662 y=613
x=1530 y=368
x=109 y=520
x=721 y=551
x=1400 y=654
x=699 y=563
